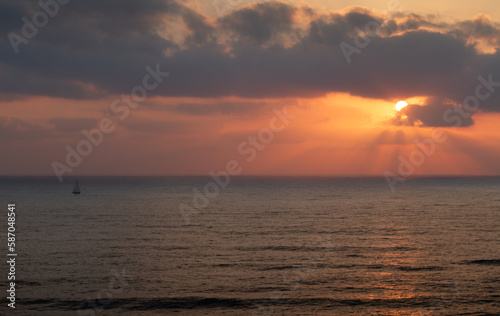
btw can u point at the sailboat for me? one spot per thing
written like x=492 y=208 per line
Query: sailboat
x=76 y=188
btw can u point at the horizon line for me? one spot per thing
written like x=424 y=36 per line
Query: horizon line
x=263 y=175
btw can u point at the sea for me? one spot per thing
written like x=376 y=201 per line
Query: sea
x=252 y=246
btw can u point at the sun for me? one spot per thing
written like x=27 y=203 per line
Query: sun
x=400 y=105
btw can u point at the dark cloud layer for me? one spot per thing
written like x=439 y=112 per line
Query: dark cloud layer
x=433 y=115
x=92 y=49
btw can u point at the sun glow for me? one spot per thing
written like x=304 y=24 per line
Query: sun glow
x=400 y=105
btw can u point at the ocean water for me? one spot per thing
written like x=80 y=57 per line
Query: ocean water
x=262 y=246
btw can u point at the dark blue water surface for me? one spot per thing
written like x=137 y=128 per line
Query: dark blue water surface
x=259 y=246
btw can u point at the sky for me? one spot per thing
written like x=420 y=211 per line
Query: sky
x=166 y=87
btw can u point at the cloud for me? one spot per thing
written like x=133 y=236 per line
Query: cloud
x=66 y=124
x=433 y=114
x=481 y=27
x=154 y=126
x=260 y=23
x=95 y=49
x=105 y=52
x=224 y=108
x=13 y=128
x=10 y=13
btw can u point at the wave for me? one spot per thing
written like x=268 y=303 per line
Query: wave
x=488 y=262
x=320 y=265
x=326 y=249
x=21 y=282
x=190 y=303
x=428 y=268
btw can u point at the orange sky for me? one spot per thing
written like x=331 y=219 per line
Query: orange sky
x=333 y=132
x=447 y=9
x=336 y=134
